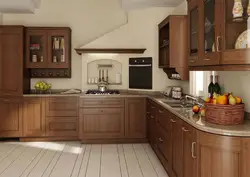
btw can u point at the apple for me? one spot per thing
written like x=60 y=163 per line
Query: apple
x=196 y=109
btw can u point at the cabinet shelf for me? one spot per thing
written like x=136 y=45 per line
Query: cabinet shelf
x=243 y=19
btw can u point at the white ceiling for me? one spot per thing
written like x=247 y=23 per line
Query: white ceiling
x=135 y=4
x=19 y=6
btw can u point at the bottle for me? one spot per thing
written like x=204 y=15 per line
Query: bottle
x=211 y=87
x=217 y=88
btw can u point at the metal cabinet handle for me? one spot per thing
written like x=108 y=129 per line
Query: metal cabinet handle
x=184 y=129
x=160 y=139
x=207 y=59
x=160 y=111
x=152 y=117
x=218 y=43
x=172 y=120
x=191 y=61
x=6 y=100
x=152 y=107
x=193 y=149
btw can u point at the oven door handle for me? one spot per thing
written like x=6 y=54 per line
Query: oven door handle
x=149 y=65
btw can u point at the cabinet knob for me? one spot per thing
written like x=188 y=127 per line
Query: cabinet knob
x=160 y=139
x=161 y=112
x=50 y=74
x=152 y=117
x=58 y=74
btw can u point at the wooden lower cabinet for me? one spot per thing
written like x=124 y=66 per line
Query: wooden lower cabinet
x=11 y=118
x=102 y=123
x=135 y=118
x=34 y=117
x=177 y=147
x=220 y=156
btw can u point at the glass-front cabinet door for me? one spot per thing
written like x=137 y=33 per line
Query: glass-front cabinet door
x=236 y=28
x=193 y=32
x=211 y=32
x=36 y=52
x=58 y=49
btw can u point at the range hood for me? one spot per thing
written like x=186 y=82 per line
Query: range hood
x=19 y=6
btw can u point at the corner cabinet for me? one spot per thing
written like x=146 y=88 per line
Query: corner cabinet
x=217 y=38
x=48 y=51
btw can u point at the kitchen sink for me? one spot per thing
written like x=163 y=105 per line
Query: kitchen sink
x=178 y=105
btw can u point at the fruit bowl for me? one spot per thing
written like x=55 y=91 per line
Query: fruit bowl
x=42 y=88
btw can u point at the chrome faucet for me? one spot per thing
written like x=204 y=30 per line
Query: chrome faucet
x=195 y=100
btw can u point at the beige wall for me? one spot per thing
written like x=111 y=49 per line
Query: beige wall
x=1 y=19
x=141 y=31
x=88 y=19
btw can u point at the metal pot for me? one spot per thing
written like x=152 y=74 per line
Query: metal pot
x=102 y=87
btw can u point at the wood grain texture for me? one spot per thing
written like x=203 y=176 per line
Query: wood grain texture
x=33 y=117
x=135 y=117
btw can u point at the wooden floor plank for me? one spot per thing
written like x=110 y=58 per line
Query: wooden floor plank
x=66 y=162
x=85 y=162
x=123 y=165
x=78 y=163
x=22 y=162
x=94 y=163
x=134 y=169
x=110 y=165
x=11 y=158
x=6 y=149
x=155 y=161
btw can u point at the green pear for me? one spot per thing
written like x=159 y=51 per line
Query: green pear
x=232 y=100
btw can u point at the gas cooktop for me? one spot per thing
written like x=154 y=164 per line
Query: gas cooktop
x=107 y=92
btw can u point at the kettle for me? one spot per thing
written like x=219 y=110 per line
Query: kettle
x=102 y=86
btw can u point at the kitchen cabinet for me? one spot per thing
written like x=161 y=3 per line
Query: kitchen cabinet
x=13 y=82
x=33 y=117
x=152 y=125
x=11 y=118
x=173 y=46
x=62 y=116
x=177 y=147
x=48 y=52
x=135 y=117
x=102 y=123
x=189 y=150
x=219 y=156
x=216 y=37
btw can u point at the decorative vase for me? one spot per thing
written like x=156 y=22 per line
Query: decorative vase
x=237 y=9
x=248 y=8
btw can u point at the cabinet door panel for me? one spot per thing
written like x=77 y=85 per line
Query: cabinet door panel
x=34 y=117
x=11 y=59
x=217 y=159
x=136 y=117
x=95 y=126
x=177 y=145
x=11 y=118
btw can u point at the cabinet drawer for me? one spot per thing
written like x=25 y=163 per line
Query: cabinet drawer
x=96 y=111
x=99 y=102
x=57 y=127
x=164 y=118
x=62 y=107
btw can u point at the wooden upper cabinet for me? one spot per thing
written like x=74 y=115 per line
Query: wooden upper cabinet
x=34 y=117
x=48 y=47
x=11 y=118
x=219 y=156
x=36 y=42
x=11 y=60
x=62 y=52
x=173 y=42
x=210 y=32
x=135 y=117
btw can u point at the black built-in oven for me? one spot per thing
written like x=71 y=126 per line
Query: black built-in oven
x=140 y=73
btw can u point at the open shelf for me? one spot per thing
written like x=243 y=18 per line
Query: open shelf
x=242 y=19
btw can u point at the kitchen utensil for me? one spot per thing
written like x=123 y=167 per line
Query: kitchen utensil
x=243 y=41
x=168 y=91
x=103 y=86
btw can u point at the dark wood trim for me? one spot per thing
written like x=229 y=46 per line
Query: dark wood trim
x=49 y=139
x=221 y=68
x=80 y=51
x=111 y=141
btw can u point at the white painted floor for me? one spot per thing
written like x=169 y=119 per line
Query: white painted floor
x=72 y=159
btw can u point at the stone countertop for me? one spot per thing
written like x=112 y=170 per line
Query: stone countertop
x=185 y=114
x=199 y=122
